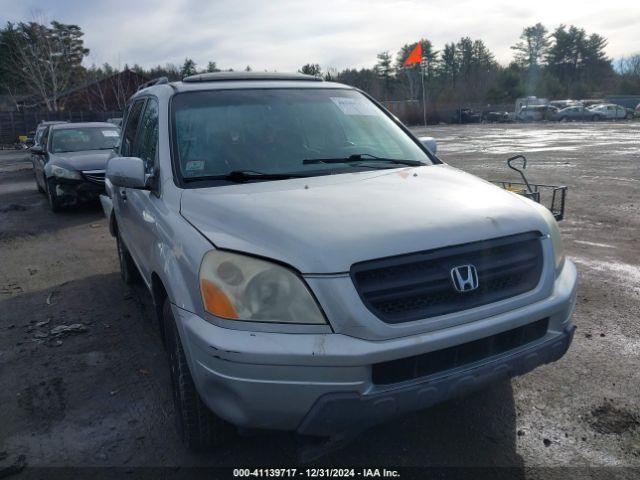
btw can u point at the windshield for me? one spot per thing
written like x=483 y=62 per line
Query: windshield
x=275 y=131
x=84 y=138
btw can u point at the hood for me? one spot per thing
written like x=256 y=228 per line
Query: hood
x=87 y=160
x=325 y=224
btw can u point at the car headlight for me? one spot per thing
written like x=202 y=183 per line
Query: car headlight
x=241 y=287
x=556 y=239
x=60 y=172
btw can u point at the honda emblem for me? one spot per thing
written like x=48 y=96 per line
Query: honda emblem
x=464 y=278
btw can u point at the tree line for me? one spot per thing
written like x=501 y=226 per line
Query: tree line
x=567 y=62
x=45 y=60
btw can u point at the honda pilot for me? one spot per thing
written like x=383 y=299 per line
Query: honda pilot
x=314 y=266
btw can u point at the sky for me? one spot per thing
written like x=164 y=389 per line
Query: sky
x=283 y=35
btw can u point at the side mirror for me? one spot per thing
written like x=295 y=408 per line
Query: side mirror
x=37 y=150
x=127 y=172
x=429 y=143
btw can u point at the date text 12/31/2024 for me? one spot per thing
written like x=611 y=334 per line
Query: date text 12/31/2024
x=316 y=472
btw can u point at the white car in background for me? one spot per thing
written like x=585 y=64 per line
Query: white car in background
x=609 y=111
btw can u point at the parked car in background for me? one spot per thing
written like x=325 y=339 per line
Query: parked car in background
x=287 y=302
x=590 y=102
x=38 y=135
x=609 y=111
x=560 y=104
x=529 y=101
x=69 y=163
x=576 y=113
x=466 y=115
x=42 y=126
x=492 y=116
x=536 y=113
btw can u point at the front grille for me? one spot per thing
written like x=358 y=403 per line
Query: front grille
x=453 y=357
x=419 y=285
x=94 y=176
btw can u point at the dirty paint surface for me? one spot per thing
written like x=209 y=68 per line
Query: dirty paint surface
x=98 y=395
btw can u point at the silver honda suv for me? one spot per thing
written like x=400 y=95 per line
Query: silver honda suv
x=314 y=266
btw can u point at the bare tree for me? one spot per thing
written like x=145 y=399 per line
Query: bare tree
x=46 y=59
x=630 y=65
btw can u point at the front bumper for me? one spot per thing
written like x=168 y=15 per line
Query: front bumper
x=321 y=384
x=71 y=192
x=336 y=412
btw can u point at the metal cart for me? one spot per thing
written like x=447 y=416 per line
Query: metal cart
x=551 y=196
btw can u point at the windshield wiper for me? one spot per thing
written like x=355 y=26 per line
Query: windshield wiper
x=362 y=157
x=239 y=176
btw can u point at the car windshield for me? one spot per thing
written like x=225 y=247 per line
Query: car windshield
x=273 y=131
x=84 y=138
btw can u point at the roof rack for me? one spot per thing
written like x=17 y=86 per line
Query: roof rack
x=249 y=76
x=155 y=81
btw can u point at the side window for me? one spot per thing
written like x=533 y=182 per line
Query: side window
x=132 y=121
x=44 y=138
x=38 y=139
x=146 y=144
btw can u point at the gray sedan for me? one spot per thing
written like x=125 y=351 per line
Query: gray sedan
x=575 y=113
x=69 y=162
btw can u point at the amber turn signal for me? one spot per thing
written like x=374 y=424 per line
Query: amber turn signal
x=215 y=301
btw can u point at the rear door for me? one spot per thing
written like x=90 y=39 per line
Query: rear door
x=583 y=113
x=611 y=111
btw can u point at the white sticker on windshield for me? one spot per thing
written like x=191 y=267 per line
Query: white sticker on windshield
x=355 y=106
x=110 y=133
x=195 y=165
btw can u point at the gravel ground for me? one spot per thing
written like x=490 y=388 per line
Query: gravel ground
x=98 y=395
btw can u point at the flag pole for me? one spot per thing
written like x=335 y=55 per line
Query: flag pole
x=423 y=67
x=417 y=56
x=424 y=100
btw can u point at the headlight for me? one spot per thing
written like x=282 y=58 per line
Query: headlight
x=556 y=239
x=240 y=287
x=58 y=171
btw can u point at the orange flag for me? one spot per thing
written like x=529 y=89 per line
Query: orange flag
x=415 y=56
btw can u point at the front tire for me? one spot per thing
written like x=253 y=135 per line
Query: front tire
x=52 y=196
x=199 y=428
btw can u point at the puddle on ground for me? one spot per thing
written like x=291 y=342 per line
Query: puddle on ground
x=608 y=419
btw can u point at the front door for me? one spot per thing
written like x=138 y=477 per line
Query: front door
x=40 y=160
x=121 y=202
x=143 y=204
